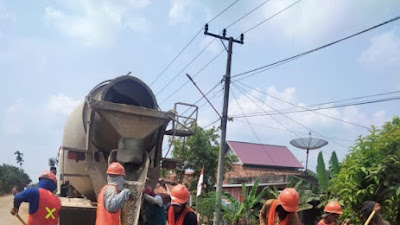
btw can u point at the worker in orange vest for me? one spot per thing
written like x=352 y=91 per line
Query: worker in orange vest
x=112 y=196
x=44 y=206
x=281 y=211
x=178 y=212
x=332 y=211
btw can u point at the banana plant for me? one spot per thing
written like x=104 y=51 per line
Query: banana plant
x=247 y=209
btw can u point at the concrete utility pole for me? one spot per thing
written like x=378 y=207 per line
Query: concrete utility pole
x=223 y=146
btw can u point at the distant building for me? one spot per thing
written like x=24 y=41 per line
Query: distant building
x=271 y=165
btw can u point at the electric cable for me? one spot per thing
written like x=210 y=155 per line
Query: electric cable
x=309 y=129
x=315 y=49
x=184 y=48
x=321 y=108
x=305 y=108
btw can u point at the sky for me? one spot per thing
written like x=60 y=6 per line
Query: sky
x=52 y=53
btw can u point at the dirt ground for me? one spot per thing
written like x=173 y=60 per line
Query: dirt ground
x=6 y=203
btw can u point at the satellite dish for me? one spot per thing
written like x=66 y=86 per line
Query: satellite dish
x=308 y=144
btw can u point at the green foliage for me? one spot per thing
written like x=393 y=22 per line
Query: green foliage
x=205 y=206
x=323 y=177
x=197 y=151
x=246 y=210
x=11 y=176
x=334 y=166
x=19 y=158
x=371 y=172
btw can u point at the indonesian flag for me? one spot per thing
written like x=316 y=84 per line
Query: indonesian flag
x=200 y=184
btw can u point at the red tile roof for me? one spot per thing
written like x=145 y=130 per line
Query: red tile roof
x=264 y=155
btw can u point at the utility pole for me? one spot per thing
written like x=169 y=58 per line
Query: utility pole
x=223 y=145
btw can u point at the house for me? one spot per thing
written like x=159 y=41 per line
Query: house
x=271 y=165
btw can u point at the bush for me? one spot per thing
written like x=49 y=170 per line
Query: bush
x=371 y=172
x=12 y=176
x=205 y=207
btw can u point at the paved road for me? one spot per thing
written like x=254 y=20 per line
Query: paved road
x=6 y=203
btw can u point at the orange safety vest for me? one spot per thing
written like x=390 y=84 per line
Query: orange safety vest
x=49 y=207
x=272 y=213
x=171 y=215
x=104 y=217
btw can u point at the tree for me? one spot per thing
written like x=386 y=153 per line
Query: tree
x=371 y=172
x=19 y=158
x=12 y=176
x=197 y=151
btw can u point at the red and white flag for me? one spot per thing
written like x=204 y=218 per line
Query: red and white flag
x=200 y=184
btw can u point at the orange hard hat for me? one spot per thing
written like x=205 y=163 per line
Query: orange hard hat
x=48 y=175
x=289 y=199
x=116 y=169
x=179 y=194
x=333 y=207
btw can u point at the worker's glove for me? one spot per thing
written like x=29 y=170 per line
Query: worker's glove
x=14 y=211
x=126 y=193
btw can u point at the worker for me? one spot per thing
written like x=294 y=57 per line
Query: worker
x=154 y=207
x=281 y=211
x=332 y=211
x=366 y=210
x=112 y=196
x=178 y=212
x=14 y=190
x=44 y=206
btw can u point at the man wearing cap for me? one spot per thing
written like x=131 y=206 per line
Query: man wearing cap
x=44 y=206
x=332 y=211
x=281 y=211
x=178 y=213
x=112 y=196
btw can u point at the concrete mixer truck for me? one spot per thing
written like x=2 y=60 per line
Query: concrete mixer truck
x=118 y=121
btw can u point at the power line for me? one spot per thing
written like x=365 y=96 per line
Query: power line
x=236 y=21
x=287 y=116
x=280 y=62
x=307 y=109
x=295 y=133
x=184 y=48
x=321 y=108
x=211 y=123
x=355 y=98
x=251 y=127
x=255 y=26
x=197 y=73
x=276 y=128
x=248 y=13
x=184 y=68
x=180 y=88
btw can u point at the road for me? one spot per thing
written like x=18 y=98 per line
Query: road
x=6 y=203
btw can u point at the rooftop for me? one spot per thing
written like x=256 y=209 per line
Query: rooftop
x=264 y=155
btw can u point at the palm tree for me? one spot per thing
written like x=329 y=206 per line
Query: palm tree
x=19 y=158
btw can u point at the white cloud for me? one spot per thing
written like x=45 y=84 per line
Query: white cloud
x=62 y=104
x=384 y=51
x=269 y=131
x=96 y=23
x=313 y=120
x=311 y=21
x=178 y=12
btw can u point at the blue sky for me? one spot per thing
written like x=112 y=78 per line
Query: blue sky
x=53 y=52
